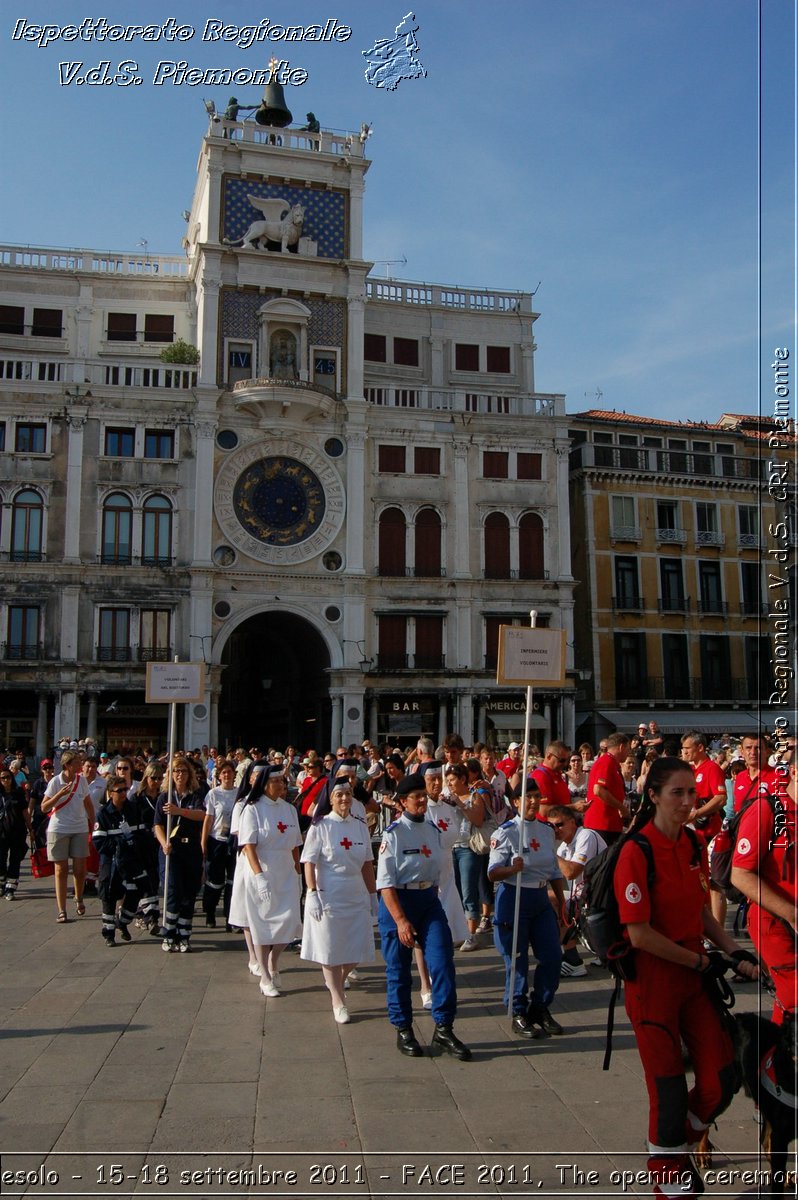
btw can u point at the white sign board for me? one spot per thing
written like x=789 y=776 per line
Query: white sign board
x=531 y=656
x=175 y=683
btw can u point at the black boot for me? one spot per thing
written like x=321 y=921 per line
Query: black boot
x=444 y=1038
x=538 y=1014
x=522 y=1028
x=406 y=1043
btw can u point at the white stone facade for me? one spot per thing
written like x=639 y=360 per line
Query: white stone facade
x=335 y=508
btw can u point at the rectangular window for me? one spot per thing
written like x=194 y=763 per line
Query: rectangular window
x=495 y=464
x=12 y=319
x=706 y=517
x=120 y=443
x=391 y=459
x=709 y=587
x=529 y=466
x=2 y=435
x=667 y=514
x=429 y=643
x=676 y=666
x=623 y=515
x=631 y=681
x=159 y=328
x=31 y=439
x=627 y=591
x=374 y=347
x=121 y=327
x=154 y=635
x=466 y=357
x=751 y=590
x=23 y=631
x=405 y=352
x=392 y=643
x=758 y=653
x=671 y=585
x=159 y=443
x=498 y=359
x=426 y=460
x=715 y=668
x=748 y=524
x=114 y=643
x=47 y=322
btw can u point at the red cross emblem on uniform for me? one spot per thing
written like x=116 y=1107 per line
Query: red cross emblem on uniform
x=534 y=844
x=444 y=825
x=281 y=826
x=345 y=842
x=425 y=850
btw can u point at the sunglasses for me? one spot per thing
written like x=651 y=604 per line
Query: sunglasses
x=557 y=824
x=118 y=791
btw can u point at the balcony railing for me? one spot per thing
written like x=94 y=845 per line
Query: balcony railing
x=673 y=604
x=626 y=533
x=23 y=556
x=113 y=654
x=134 y=560
x=709 y=607
x=683 y=690
x=27 y=652
x=665 y=462
x=749 y=541
x=627 y=604
x=709 y=537
x=671 y=537
x=457 y=400
x=43 y=258
x=399 y=291
x=155 y=654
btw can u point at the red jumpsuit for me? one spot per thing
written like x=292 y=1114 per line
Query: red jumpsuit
x=667 y=1002
x=771 y=853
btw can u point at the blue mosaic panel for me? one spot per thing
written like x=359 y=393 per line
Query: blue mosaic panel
x=239 y=316
x=326 y=325
x=325 y=212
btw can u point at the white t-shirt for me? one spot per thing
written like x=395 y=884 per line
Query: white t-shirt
x=584 y=845
x=72 y=818
x=219 y=804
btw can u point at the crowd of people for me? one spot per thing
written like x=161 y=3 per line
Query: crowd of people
x=281 y=846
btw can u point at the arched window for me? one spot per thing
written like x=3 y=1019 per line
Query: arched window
x=156 y=538
x=117 y=529
x=26 y=526
x=428 y=543
x=497 y=546
x=530 y=547
x=391 y=542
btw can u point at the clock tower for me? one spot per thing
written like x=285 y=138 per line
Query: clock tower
x=275 y=243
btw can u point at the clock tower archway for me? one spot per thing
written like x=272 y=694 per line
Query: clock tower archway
x=275 y=684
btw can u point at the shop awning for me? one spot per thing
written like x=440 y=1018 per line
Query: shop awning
x=515 y=720
x=681 y=720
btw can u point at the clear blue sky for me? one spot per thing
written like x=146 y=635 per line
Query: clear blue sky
x=607 y=151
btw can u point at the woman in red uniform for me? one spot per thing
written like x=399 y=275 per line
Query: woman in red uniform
x=667 y=916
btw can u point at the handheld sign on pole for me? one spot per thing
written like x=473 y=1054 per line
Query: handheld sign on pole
x=528 y=656
x=173 y=683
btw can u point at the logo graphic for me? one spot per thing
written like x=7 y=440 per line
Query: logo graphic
x=633 y=893
x=743 y=846
x=390 y=60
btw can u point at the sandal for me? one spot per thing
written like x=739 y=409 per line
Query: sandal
x=80 y=908
x=62 y=918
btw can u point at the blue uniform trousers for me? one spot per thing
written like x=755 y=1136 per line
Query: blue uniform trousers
x=424 y=911
x=537 y=927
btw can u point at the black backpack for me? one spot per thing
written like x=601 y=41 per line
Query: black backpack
x=720 y=866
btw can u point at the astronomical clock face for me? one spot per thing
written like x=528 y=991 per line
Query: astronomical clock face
x=279 y=502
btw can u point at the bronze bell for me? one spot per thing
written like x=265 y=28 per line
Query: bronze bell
x=273 y=109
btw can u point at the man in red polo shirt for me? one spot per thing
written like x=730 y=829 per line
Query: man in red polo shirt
x=606 y=791
x=512 y=762
x=550 y=780
x=764 y=870
x=710 y=800
x=757 y=776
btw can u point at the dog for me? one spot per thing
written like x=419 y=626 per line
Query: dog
x=766 y=1055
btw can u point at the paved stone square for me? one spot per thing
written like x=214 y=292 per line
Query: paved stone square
x=180 y=1063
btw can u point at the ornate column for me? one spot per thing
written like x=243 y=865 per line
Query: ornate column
x=91 y=717
x=355 y=500
x=443 y=719
x=462 y=530
x=42 y=740
x=357 y=188
x=207 y=325
x=374 y=714
x=355 y=310
x=205 y=431
x=335 y=730
x=76 y=419
x=465 y=717
x=563 y=565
